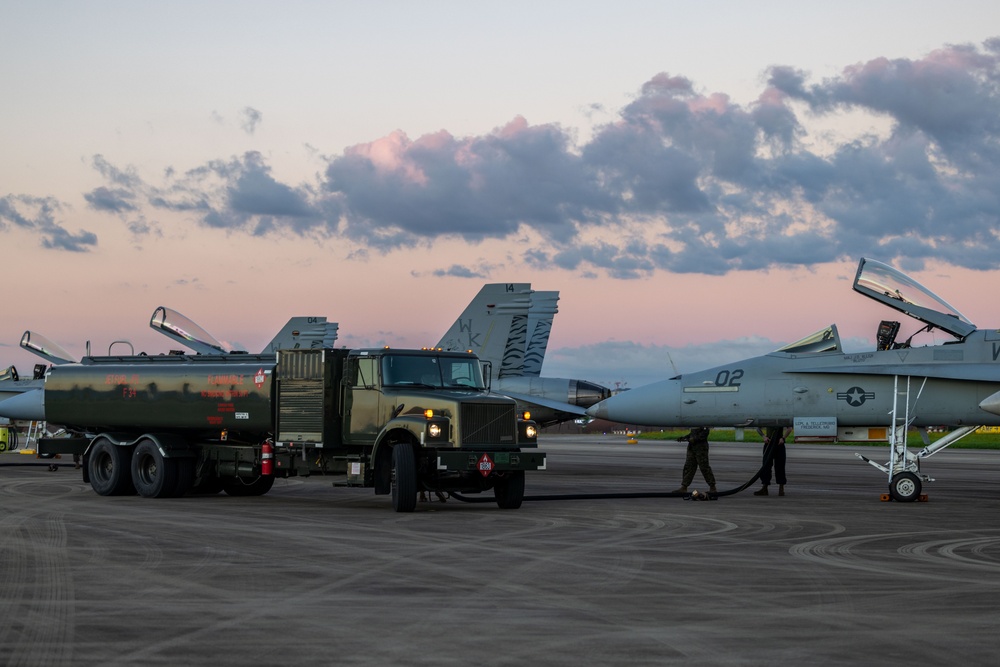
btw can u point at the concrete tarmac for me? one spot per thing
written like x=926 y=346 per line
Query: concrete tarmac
x=312 y=574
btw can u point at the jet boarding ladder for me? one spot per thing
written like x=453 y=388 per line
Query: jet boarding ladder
x=903 y=468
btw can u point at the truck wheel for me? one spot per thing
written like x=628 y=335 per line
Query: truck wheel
x=404 y=478
x=185 y=477
x=110 y=468
x=234 y=486
x=208 y=486
x=153 y=475
x=509 y=490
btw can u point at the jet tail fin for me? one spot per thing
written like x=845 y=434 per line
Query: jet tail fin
x=304 y=332
x=494 y=326
x=540 y=315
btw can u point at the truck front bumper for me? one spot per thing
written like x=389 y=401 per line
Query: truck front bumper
x=486 y=462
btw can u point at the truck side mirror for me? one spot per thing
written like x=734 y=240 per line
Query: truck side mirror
x=487 y=369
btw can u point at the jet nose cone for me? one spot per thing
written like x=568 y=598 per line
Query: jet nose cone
x=29 y=406
x=599 y=411
x=653 y=405
x=991 y=403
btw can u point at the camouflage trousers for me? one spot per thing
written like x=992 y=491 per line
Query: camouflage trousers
x=697 y=458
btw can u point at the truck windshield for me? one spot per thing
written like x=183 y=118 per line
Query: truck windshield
x=435 y=372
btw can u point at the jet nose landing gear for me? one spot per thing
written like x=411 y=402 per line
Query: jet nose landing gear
x=905 y=487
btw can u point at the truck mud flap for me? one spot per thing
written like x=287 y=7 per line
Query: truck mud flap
x=50 y=446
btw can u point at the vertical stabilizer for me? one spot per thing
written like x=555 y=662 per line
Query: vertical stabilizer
x=307 y=333
x=543 y=310
x=494 y=326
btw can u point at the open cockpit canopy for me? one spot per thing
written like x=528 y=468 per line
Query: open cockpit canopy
x=185 y=331
x=897 y=290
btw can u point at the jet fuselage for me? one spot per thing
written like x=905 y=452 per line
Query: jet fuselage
x=855 y=388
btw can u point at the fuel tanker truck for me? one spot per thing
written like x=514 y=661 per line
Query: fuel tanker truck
x=398 y=421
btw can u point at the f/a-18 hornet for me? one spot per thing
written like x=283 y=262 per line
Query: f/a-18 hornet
x=821 y=390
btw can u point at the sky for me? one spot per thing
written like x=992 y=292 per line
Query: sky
x=698 y=180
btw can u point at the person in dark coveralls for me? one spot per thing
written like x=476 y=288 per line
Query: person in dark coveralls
x=776 y=435
x=697 y=458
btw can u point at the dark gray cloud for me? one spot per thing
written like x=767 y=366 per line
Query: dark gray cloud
x=38 y=215
x=680 y=180
x=459 y=271
x=111 y=200
x=249 y=119
x=238 y=194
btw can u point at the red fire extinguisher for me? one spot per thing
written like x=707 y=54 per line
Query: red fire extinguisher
x=267 y=458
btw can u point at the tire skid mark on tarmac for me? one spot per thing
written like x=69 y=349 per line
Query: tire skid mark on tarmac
x=435 y=560
x=966 y=558
x=47 y=611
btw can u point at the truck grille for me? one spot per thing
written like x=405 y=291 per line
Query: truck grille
x=488 y=424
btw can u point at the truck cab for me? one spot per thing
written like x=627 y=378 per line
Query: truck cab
x=406 y=421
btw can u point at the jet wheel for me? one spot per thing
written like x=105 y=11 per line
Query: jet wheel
x=905 y=487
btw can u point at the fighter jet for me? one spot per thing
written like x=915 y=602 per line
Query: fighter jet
x=299 y=332
x=508 y=325
x=13 y=384
x=821 y=390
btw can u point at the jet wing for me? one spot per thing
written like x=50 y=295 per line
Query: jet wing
x=945 y=371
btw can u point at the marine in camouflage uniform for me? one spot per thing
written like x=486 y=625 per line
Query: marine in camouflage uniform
x=697 y=458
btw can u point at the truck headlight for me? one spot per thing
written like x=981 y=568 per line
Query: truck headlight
x=434 y=430
x=531 y=431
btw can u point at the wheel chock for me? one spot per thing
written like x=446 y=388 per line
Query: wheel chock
x=885 y=497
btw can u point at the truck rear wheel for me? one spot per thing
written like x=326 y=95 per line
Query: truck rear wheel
x=153 y=475
x=235 y=486
x=110 y=468
x=185 y=477
x=209 y=485
x=404 y=478
x=509 y=490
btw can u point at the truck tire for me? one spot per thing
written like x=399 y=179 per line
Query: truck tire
x=235 y=486
x=185 y=477
x=209 y=485
x=509 y=490
x=110 y=469
x=153 y=475
x=404 y=478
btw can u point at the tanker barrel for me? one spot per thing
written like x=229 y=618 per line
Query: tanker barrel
x=177 y=394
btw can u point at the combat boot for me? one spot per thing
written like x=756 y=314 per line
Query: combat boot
x=712 y=490
x=682 y=489
x=762 y=491
x=781 y=489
